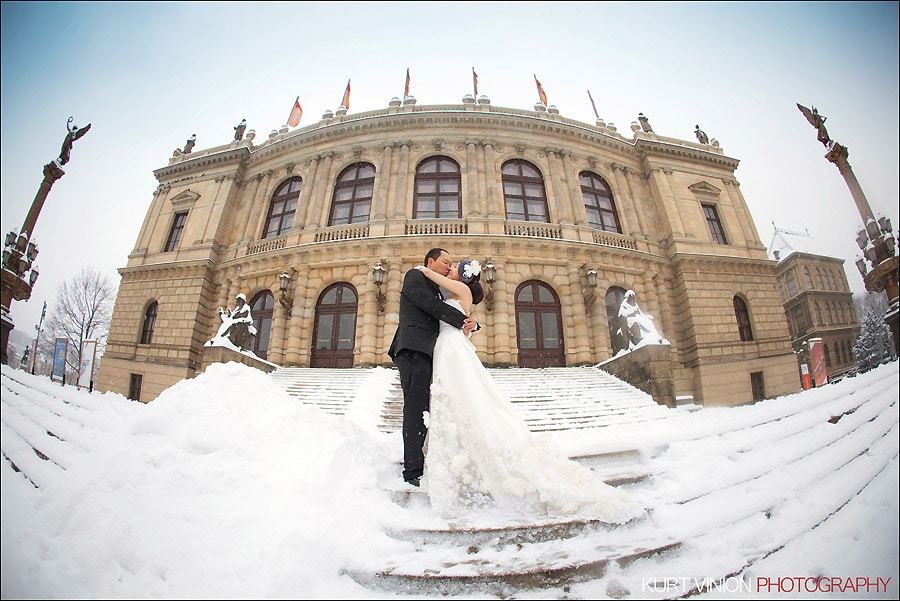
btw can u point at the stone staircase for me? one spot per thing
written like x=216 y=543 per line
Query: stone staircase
x=548 y=399
x=807 y=451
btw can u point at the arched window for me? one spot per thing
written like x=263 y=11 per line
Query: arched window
x=743 y=319
x=618 y=336
x=353 y=195
x=523 y=192
x=819 y=277
x=791 y=283
x=809 y=282
x=262 y=308
x=598 y=202
x=848 y=351
x=437 y=189
x=829 y=319
x=284 y=205
x=149 y=323
x=334 y=334
x=818 y=310
x=539 y=326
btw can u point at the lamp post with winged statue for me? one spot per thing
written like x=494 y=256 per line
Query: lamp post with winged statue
x=19 y=252
x=879 y=268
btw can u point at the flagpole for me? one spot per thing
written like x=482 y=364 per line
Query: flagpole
x=596 y=114
x=296 y=100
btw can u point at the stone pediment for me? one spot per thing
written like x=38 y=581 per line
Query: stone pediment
x=704 y=188
x=184 y=200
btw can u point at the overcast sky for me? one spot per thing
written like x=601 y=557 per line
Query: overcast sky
x=148 y=75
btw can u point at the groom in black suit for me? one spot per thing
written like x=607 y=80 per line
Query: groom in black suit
x=422 y=308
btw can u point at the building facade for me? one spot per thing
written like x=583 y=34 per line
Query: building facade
x=817 y=300
x=318 y=225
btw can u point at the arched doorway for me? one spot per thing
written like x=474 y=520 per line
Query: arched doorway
x=262 y=308
x=334 y=334
x=539 y=326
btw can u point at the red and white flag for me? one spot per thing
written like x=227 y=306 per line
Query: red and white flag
x=475 y=82
x=296 y=113
x=541 y=93
x=345 y=101
x=406 y=89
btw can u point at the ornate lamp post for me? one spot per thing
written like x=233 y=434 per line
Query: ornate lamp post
x=875 y=239
x=19 y=273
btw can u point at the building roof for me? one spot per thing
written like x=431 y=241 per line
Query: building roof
x=786 y=242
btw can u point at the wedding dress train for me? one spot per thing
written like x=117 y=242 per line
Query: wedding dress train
x=481 y=455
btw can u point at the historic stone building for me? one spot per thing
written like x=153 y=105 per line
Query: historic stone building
x=817 y=300
x=316 y=226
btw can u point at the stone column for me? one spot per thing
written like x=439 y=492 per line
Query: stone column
x=556 y=173
x=381 y=198
x=252 y=228
x=401 y=195
x=368 y=323
x=625 y=203
x=638 y=200
x=665 y=308
x=496 y=208
x=159 y=196
x=504 y=319
x=306 y=195
x=575 y=196
x=323 y=178
x=580 y=332
x=294 y=347
x=671 y=220
x=476 y=201
x=743 y=215
x=278 y=333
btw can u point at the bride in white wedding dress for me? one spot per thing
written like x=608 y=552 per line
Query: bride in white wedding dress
x=481 y=455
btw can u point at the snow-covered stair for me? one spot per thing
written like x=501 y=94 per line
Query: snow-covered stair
x=548 y=399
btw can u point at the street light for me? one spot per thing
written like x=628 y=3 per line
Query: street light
x=590 y=293
x=378 y=273
x=490 y=273
x=284 y=281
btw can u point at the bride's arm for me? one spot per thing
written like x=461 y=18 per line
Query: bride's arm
x=454 y=286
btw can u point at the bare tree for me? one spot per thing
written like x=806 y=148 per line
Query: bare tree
x=82 y=311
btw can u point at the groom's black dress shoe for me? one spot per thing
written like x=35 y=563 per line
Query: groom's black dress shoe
x=412 y=481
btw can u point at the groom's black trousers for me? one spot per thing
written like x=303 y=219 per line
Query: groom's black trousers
x=415 y=380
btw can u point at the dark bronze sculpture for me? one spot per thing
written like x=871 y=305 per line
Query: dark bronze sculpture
x=73 y=134
x=645 y=123
x=817 y=121
x=189 y=145
x=701 y=135
x=239 y=130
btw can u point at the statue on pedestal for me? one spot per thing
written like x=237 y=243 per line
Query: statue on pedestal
x=237 y=326
x=817 y=121
x=645 y=123
x=239 y=130
x=639 y=328
x=73 y=134
x=701 y=135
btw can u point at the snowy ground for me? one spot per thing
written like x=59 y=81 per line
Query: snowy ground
x=226 y=487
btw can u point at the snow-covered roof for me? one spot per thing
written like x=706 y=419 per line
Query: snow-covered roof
x=786 y=242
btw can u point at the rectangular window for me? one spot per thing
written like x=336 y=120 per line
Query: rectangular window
x=715 y=226
x=175 y=233
x=756 y=385
x=134 y=387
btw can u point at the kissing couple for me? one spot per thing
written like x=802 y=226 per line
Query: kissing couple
x=481 y=454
